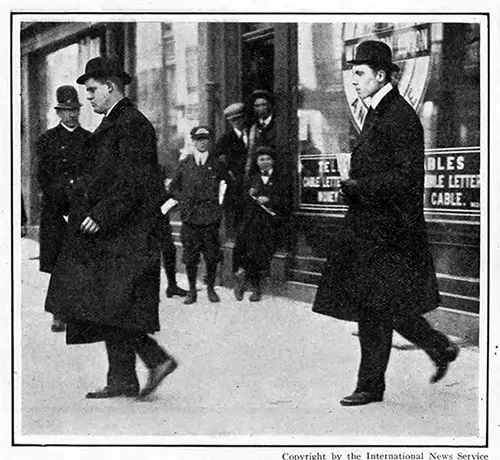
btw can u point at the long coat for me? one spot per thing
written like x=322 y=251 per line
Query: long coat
x=381 y=260
x=235 y=153
x=61 y=158
x=256 y=240
x=112 y=277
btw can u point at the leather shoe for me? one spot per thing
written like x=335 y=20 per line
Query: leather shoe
x=239 y=289
x=255 y=296
x=212 y=295
x=57 y=326
x=156 y=376
x=175 y=290
x=449 y=355
x=113 y=392
x=190 y=298
x=359 y=398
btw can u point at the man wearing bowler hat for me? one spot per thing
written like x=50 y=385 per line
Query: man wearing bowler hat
x=60 y=163
x=106 y=281
x=380 y=271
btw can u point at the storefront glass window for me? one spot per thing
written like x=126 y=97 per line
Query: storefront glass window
x=439 y=77
x=63 y=68
x=168 y=89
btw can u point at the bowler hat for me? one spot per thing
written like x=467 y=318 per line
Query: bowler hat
x=67 y=98
x=374 y=53
x=201 y=132
x=100 y=67
x=235 y=110
x=261 y=94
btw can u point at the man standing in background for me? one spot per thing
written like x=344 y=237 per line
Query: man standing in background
x=263 y=131
x=232 y=149
x=60 y=163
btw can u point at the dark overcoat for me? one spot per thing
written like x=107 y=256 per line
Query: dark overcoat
x=112 y=277
x=234 y=151
x=61 y=159
x=380 y=260
x=256 y=239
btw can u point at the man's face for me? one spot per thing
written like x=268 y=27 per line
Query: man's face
x=238 y=123
x=99 y=95
x=366 y=81
x=201 y=144
x=262 y=108
x=265 y=162
x=69 y=117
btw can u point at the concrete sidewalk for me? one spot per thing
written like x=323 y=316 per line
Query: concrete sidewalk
x=271 y=368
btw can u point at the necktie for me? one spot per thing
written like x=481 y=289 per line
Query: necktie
x=368 y=118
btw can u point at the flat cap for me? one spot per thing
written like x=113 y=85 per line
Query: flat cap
x=201 y=132
x=235 y=110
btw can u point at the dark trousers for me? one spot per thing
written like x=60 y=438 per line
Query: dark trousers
x=168 y=253
x=122 y=347
x=375 y=337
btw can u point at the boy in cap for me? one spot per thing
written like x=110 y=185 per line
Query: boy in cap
x=256 y=241
x=196 y=187
x=61 y=161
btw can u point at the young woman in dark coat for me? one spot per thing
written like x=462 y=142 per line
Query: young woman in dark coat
x=256 y=240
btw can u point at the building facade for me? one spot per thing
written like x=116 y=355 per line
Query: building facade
x=187 y=72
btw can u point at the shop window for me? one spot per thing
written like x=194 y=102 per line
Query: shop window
x=439 y=77
x=63 y=67
x=167 y=84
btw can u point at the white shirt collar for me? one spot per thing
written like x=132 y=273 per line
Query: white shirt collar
x=380 y=95
x=68 y=128
x=266 y=121
x=200 y=157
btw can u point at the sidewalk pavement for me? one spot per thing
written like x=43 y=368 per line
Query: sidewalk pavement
x=270 y=368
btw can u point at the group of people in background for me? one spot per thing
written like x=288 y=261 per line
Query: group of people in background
x=103 y=233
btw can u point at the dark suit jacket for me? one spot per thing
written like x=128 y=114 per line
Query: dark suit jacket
x=381 y=258
x=197 y=190
x=61 y=162
x=112 y=278
x=235 y=154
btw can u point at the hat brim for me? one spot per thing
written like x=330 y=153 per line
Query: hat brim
x=124 y=77
x=74 y=106
x=390 y=66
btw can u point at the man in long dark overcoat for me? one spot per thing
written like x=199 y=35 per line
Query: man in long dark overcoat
x=232 y=148
x=380 y=270
x=106 y=281
x=61 y=161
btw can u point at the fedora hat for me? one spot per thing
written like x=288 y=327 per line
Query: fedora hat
x=67 y=98
x=374 y=53
x=100 y=67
